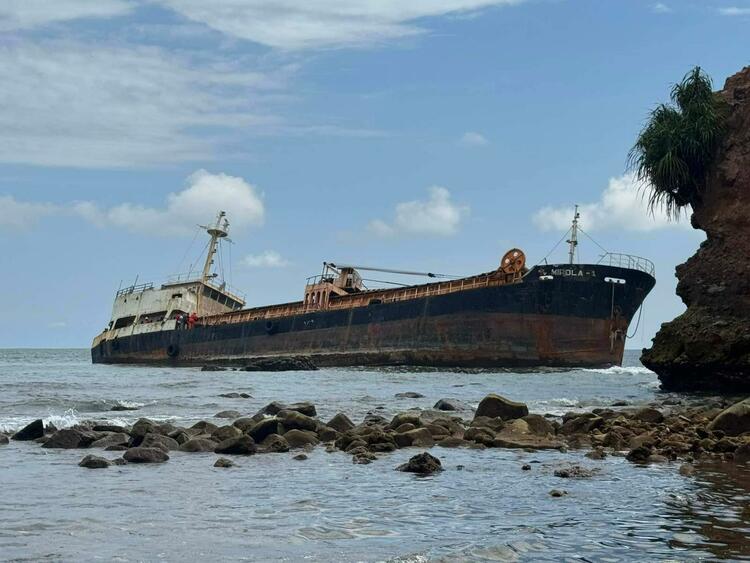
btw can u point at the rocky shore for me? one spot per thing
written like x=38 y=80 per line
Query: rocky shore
x=651 y=434
x=708 y=346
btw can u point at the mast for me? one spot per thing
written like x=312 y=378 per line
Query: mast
x=217 y=231
x=573 y=242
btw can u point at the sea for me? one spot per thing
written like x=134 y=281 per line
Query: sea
x=272 y=507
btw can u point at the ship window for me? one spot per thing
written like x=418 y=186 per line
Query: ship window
x=176 y=312
x=124 y=321
x=176 y=295
x=153 y=317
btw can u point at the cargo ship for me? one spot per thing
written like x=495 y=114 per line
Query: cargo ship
x=558 y=315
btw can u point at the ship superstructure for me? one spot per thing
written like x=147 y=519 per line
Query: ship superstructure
x=144 y=308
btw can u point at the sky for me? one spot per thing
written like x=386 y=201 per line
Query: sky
x=428 y=135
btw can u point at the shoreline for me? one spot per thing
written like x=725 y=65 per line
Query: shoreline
x=661 y=431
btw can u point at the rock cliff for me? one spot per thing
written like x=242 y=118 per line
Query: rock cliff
x=708 y=346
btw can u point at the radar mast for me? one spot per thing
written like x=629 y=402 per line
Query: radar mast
x=217 y=231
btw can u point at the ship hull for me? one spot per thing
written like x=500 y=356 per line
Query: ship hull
x=557 y=316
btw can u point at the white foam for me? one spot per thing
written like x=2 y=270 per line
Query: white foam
x=132 y=404
x=620 y=370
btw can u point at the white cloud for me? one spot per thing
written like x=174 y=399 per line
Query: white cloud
x=204 y=196
x=67 y=103
x=266 y=259
x=661 y=8
x=300 y=24
x=437 y=216
x=198 y=203
x=734 y=11
x=19 y=215
x=27 y=14
x=622 y=206
x=473 y=139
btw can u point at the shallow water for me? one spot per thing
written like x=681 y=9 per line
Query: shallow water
x=272 y=507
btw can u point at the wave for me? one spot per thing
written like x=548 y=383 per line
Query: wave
x=71 y=417
x=621 y=370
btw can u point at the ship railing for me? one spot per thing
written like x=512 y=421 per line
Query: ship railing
x=134 y=289
x=628 y=261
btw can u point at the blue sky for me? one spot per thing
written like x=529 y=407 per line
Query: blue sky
x=422 y=134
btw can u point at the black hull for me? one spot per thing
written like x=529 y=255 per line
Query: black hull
x=574 y=319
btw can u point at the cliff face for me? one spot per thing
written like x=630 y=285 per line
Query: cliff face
x=708 y=347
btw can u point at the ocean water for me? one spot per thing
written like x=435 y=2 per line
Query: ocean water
x=274 y=508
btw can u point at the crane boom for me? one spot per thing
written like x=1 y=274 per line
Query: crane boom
x=389 y=271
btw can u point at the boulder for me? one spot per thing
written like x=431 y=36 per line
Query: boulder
x=409 y=395
x=69 y=438
x=422 y=464
x=241 y=445
x=639 y=454
x=733 y=421
x=581 y=423
x=224 y=462
x=273 y=408
x=539 y=425
x=245 y=423
x=409 y=417
x=264 y=428
x=505 y=439
x=326 y=433
x=291 y=420
x=280 y=363
x=452 y=442
x=340 y=423
x=300 y=457
x=158 y=441
x=225 y=432
x=649 y=415
x=451 y=405
x=557 y=493
x=204 y=427
x=94 y=462
x=110 y=428
x=111 y=439
x=303 y=407
x=4 y=441
x=195 y=445
x=300 y=438
x=142 y=427
x=145 y=455
x=274 y=444
x=419 y=437
x=574 y=472
x=228 y=414
x=495 y=406
x=180 y=436
x=212 y=368
x=31 y=431
x=480 y=435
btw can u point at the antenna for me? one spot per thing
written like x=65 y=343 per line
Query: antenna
x=573 y=241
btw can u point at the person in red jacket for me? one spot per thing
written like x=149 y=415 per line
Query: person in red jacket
x=192 y=319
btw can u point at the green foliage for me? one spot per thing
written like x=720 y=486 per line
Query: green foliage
x=676 y=148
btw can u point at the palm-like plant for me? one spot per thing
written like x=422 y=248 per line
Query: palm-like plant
x=676 y=148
